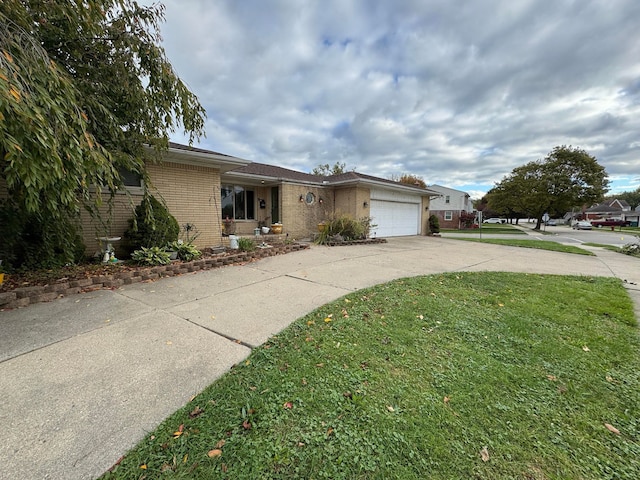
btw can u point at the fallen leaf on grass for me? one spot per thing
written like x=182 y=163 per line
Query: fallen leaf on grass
x=484 y=454
x=287 y=405
x=216 y=452
x=196 y=412
x=553 y=378
x=143 y=467
x=177 y=433
x=585 y=348
x=447 y=399
x=612 y=429
x=246 y=425
x=390 y=408
x=220 y=444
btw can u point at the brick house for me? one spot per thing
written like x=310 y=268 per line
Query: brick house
x=203 y=187
x=449 y=204
x=300 y=200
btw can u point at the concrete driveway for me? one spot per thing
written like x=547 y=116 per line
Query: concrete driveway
x=84 y=378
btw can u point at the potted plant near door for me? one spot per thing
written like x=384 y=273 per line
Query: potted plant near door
x=276 y=228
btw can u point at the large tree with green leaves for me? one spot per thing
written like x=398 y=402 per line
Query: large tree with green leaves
x=567 y=177
x=85 y=86
x=326 y=170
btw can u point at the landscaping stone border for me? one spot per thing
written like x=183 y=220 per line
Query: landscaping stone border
x=21 y=297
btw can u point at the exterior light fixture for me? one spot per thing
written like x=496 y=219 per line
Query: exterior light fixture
x=365 y=204
x=301 y=199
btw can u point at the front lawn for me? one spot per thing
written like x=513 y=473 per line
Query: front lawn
x=465 y=375
x=488 y=228
x=539 y=244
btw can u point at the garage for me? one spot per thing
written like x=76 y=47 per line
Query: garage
x=395 y=214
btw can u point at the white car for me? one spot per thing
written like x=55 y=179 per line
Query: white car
x=582 y=225
x=495 y=220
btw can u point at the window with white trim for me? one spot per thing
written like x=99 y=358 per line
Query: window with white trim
x=448 y=216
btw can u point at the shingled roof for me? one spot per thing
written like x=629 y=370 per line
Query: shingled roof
x=273 y=172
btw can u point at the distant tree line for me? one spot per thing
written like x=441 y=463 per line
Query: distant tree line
x=566 y=178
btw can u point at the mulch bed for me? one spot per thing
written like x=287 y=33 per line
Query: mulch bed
x=25 y=288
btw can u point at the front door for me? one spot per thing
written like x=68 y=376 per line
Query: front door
x=275 y=205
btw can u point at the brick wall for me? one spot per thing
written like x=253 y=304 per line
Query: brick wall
x=453 y=223
x=192 y=195
x=300 y=219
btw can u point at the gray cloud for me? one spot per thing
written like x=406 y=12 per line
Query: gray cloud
x=457 y=92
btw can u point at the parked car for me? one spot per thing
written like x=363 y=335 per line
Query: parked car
x=610 y=222
x=582 y=225
x=495 y=220
x=550 y=223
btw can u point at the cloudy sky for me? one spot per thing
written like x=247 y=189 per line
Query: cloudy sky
x=457 y=92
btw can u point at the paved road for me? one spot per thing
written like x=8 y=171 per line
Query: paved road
x=563 y=234
x=83 y=378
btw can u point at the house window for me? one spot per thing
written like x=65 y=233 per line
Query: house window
x=310 y=198
x=447 y=200
x=237 y=202
x=131 y=180
x=448 y=216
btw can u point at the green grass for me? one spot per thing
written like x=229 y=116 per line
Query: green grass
x=488 y=228
x=613 y=248
x=414 y=378
x=539 y=244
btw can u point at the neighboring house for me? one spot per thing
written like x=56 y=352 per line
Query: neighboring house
x=614 y=209
x=449 y=204
x=202 y=187
x=258 y=193
x=633 y=216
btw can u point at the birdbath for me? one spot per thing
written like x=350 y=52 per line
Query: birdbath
x=106 y=247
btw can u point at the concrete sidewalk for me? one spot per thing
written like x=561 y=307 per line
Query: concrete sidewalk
x=84 y=378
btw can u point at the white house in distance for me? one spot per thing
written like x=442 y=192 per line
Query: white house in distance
x=449 y=205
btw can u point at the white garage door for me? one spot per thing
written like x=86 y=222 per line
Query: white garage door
x=394 y=219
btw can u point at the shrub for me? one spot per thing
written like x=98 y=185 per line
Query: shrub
x=151 y=256
x=434 y=224
x=344 y=228
x=35 y=241
x=186 y=251
x=632 y=248
x=151 y=226
x=246 y=244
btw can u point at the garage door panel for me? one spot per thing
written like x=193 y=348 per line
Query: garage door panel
x=395 y=219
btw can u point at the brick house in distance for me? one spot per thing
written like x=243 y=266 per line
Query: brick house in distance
x=449 y=205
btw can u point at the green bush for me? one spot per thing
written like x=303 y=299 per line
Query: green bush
x=35 y=241
x=151 y=256
x=434 y=224
x=246 y=244
x=152 y=226
x=186 y=251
